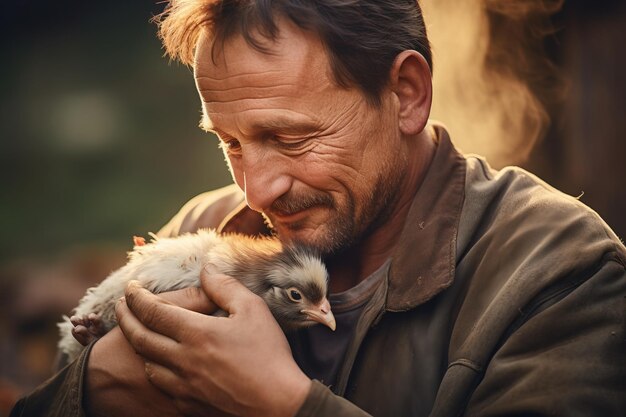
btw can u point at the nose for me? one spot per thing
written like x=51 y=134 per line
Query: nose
x=264 y=180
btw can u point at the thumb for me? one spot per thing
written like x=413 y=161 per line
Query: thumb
x=227 y=292
x=192 y=298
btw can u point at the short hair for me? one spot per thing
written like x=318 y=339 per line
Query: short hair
x=362 y=37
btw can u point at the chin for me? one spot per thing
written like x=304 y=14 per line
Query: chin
x=325 y=235
x=301 y=235
x=324 y=241
x=305 y=236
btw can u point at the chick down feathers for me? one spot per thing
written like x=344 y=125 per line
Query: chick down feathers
x=291 y=280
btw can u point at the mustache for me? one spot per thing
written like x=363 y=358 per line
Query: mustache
x=293 y=203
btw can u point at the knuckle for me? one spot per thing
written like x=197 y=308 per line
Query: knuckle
x=139 y=341
x=120 y=307
x=131 y=291
x=180 y=297
x=149 y=370
x=149 y=313
x=153 y=312
x=191 y=292
x=195 y=299
x=229 y=282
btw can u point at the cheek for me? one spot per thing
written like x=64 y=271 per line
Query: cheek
x=333 y=160
x=351 y=167
x=321 y=175
x=356 y=151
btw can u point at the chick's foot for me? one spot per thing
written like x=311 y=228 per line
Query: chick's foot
x=87 y=328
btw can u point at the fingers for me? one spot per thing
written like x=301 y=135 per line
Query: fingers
x=164 y=379
x=192 y=298
x=228 y=293
x=155 y=327
x=116 y=383
x=159 y=314
x=181 y=391
x=147 y=343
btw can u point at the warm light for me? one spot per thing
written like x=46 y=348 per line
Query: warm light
x=488 y=109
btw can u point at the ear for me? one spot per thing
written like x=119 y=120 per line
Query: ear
x=411 y=82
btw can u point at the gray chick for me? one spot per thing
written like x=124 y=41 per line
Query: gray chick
x=292 y=281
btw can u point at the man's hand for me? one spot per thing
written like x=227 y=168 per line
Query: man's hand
x=116 y=382
x=241 y=364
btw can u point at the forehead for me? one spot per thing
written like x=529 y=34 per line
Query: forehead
x=235 y=75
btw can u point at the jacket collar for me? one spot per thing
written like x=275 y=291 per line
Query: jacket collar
x=423 y=261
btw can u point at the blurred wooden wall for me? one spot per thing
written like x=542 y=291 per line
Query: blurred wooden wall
x=584 y=151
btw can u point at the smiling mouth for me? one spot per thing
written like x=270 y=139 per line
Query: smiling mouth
x=289 y=217
x=290 y=206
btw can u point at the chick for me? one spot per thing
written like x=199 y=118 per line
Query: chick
x=292 y=281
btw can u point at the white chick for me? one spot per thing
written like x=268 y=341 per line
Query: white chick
x=292 y=281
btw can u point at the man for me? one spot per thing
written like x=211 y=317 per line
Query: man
x=458 y=290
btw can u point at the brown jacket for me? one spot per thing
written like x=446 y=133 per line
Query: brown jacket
x=503 y=297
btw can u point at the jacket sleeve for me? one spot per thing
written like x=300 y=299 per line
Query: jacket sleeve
x=566 y=359
x=60 y=396
x=207 y=210
x=321 y=402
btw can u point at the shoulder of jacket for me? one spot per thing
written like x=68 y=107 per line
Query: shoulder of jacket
x=514 y=204
x=521 y=246
x=206 y=210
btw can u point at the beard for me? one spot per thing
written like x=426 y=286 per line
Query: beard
x=346 y=225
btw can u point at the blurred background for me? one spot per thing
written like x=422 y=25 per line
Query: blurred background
x=99 y=138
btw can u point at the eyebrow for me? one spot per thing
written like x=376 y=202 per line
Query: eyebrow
x=285 y=125
x=282 y=125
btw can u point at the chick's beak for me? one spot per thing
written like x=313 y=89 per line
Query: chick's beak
x=321 y=313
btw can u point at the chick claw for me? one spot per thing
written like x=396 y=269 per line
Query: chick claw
x=87 y=328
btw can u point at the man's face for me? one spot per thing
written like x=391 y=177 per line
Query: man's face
x=321 y=164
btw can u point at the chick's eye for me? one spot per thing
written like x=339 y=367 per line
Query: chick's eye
x=294 y=295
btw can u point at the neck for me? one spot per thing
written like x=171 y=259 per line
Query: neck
x=360 y=261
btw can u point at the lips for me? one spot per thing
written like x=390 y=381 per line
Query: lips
x=292 y=204
x=294 y=212
x=287 y=217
